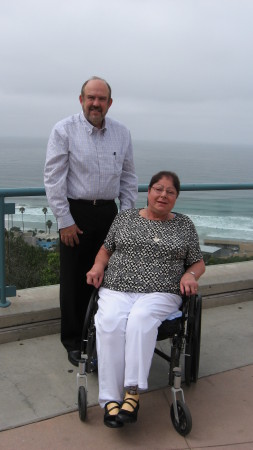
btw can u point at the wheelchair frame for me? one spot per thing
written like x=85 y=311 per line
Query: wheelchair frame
x=185 y=333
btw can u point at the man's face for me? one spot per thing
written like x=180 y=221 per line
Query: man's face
x=95 y=102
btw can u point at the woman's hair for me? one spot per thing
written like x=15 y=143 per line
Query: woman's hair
x=164 y=173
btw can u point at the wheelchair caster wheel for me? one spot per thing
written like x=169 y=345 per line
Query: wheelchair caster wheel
x=82 y=403
x=184 y=425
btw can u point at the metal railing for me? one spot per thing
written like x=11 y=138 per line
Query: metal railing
x=9 y=208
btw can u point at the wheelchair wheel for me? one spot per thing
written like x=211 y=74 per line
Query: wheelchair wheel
x=184 y=425
x=82 y=403
x=89 y=333
x=188 y=363
x=90 y=313
x=196 y=341
x=192 y=348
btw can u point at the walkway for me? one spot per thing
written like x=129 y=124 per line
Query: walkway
x=38 y=395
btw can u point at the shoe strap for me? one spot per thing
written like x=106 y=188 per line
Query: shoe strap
x=113 y=407
x=131 y=397
x=128 y=402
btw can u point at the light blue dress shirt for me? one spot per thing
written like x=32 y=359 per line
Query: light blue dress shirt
x=84 y=162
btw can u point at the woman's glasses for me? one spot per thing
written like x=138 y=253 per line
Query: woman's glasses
x=160 y=189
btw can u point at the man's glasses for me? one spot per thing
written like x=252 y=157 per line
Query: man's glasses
x=160 y=189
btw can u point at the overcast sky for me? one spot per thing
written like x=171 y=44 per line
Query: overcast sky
x=180 y=70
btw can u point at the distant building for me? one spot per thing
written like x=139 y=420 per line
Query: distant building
x=46 y=244
x=210 y=250
x=29 y=238
x=227 y=248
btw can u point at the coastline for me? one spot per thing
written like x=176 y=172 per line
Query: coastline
x=233 y=246
x=218 y=247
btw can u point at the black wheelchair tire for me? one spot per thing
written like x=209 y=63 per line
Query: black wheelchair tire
x=196 y=341
x=192 y=347
x=188 y=363
x=82 y=403
x=90 y=313
x=88 y=344
x=184 y=425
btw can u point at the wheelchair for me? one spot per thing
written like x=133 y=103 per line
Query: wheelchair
x=185 y=335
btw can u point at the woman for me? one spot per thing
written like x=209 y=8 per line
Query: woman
x=152 y=255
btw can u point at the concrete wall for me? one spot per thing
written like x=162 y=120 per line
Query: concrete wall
x=35 y=312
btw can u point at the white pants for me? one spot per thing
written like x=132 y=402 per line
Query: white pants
x=126 y=332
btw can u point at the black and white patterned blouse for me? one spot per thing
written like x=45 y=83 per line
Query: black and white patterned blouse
x=149 y=255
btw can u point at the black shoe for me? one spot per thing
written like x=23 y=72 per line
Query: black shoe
x=125 y=416
x=109 y=419
x=74 y=357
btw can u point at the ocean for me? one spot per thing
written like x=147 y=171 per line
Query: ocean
x=216 y=214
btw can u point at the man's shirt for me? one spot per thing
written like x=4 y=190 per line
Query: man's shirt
x=84 y=162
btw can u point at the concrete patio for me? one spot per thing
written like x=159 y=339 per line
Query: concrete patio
x=38 y=394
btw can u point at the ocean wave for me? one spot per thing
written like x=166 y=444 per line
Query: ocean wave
x=228 y=223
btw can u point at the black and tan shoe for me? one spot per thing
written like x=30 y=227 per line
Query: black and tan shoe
x=111 y=411
x=129 y=409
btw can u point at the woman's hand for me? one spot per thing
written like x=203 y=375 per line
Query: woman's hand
x=188 y=284
x=95 y=275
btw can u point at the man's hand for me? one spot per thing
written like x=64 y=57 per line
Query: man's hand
x=69 y=235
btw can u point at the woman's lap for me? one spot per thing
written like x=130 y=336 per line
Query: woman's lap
x=126 y=326
x=116 y=305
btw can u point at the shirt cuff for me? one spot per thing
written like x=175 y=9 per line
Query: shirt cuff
x=66 y=221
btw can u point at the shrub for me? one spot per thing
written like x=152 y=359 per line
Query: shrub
x=28 y=266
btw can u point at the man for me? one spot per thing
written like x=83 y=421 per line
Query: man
x=89 y=164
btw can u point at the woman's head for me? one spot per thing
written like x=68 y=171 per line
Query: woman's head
x=163 y=191
x=166 y=174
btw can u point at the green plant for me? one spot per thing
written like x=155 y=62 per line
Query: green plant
x=28 y=266
x=51 y=273
x=231 y=259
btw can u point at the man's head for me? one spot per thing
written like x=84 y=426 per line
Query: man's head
x=95 y=99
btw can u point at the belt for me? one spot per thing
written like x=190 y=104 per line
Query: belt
x=92 y=202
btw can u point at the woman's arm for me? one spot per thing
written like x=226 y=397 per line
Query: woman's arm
x=96 y=274
x=189 y=283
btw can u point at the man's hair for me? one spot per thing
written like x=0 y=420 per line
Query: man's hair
x=96 y=78
x=176 y=182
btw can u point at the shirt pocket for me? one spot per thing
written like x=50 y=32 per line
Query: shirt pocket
x=112 y=163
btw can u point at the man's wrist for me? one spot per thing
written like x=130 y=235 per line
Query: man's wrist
x=65 y=222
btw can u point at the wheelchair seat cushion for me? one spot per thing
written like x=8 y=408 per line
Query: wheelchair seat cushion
x=168 y=328
x=175 y=315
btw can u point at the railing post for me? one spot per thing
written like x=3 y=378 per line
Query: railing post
x=8 y=208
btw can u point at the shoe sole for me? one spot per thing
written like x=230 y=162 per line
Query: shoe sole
x=122 y=418
x=113 y=424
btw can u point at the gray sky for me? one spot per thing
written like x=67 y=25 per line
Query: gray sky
x=180 y=70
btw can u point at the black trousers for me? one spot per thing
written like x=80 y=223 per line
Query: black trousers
x=76 y=261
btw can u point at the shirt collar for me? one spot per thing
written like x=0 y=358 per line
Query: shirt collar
x=89 y=127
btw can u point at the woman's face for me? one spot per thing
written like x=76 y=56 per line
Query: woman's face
x=162 y=196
